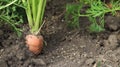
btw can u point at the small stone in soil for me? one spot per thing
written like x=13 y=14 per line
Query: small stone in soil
x=112 y=23
x=90 y=61
x=118 y=37
x=112 y=42
x=38 y=61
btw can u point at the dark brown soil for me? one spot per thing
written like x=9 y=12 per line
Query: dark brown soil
x=65 y=47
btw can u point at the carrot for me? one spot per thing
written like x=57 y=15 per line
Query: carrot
x=35 y=22
x=34 y=43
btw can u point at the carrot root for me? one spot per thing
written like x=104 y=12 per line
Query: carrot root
x=34 y=43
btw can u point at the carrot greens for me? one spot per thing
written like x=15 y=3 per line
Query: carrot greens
x=35 y=11
x=95 y=11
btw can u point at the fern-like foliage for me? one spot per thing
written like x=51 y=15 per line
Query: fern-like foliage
x=72 y=15
x=11 y=14
x=96 y=12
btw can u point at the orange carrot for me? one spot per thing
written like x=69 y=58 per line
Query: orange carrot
x=34 y=43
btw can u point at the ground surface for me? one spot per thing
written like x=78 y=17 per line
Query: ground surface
x=65 y=47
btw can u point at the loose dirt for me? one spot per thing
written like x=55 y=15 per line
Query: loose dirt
x=64 y=47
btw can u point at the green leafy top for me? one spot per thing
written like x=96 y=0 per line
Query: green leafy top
x=35 y=11
x=95 y=12
x=10 y=14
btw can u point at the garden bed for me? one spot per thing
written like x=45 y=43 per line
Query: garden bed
x=65 y=47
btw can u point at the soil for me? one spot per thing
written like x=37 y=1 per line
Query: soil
x=64 y=47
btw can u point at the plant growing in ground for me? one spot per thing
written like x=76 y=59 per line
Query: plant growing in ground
x=96 y=12
x=98 y=64
x=72 y=15
x=34 y=11
x=9 y=14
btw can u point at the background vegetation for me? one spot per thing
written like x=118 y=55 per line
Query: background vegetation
x=95 y=11
x=12 y=14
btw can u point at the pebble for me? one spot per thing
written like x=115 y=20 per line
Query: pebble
x=112 y=38
x=38 y=61
x=112 y=23
x=84 y=55
x=118 y=37
x=83 y=46
x=112 y=42
x=90 y=61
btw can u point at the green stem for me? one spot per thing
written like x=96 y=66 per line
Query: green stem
x=34 y=9
x=80 y=15
x=42 y=14
x=29 y=14
x=2 y=7
x=38 y=18
x=8 y=21
x=43 y=9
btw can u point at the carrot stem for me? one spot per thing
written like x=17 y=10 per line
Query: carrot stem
x=35 y=11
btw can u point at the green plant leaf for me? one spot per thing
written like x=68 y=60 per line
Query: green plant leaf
x=95 y=28
x=98 y=64
x=35 y=12
x=95 y=12
x=72 y=15
x=10 y=14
